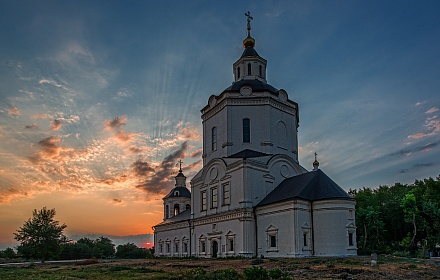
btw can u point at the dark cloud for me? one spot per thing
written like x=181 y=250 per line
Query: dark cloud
x=192 y=166
x=415 y=149
x=49 y=146
x=196 y=154
x=419 y=166
x=33 y=126
x=123 y=137
x=56 y=124
x=141 y=168
x=50 y=149
x=115 y=123
x=134 y=150
x=161 y=180
x=117 y=200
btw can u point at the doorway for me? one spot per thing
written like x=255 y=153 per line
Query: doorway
x=214 y=249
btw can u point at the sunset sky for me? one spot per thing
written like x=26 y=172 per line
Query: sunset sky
x=100 y=99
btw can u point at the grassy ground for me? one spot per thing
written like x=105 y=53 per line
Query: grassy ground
x=308 y=268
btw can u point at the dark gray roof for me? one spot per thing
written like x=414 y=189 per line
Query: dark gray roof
x=180 y=174
x=255 y=84
x=311 y=186
x=249 y=51
x=247 y=154
x=183 y=192
x=182 y=216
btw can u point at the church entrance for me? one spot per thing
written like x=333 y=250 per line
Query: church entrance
x=214 y=249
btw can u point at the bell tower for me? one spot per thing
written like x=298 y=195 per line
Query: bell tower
x=250 y=116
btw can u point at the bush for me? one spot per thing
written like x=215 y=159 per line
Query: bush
x=277 y=273
x=256 y=273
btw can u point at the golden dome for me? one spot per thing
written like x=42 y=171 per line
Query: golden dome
x=248 y=42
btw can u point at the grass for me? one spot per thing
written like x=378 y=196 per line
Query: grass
x=173 y=269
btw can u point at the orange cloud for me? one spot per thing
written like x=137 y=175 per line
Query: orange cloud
x=49 y=149
x=433 y=127
x=115 y=123
x=13 y=112
x=197 y=153
x=42 y=116
x=56 y=124
x=189 y=133
x=123 y=137
x=432 y=110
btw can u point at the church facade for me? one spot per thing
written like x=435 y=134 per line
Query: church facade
x=252 y=197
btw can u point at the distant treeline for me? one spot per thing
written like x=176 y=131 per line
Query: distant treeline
x=84 y=248
x=399 y=219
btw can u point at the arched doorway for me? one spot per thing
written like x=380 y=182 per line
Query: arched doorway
x=214 y=249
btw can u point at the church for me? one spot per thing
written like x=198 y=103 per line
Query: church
x=252 y=198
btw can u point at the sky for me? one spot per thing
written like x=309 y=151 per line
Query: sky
x=100 y=99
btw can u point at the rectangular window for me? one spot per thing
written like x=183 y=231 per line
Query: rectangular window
x=185 y=247
x=350 y=239
x=226 y=198
x=168 y=248
x=273 y=241
x=214 y=198
x=203 y=246
x=305 y=239
x=177 y=248
x=161 y=248
x=231 y=244
x=246 y=130
x=203 y=197
x=214 y=139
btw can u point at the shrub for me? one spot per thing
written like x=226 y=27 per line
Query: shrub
x=277 y=273
x=255 y=273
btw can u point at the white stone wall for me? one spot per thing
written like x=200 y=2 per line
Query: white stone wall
x=172 y=235
x=333 y=221
x=273 y=124
x=291 y=221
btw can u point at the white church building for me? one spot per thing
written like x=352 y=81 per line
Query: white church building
x=252 y=197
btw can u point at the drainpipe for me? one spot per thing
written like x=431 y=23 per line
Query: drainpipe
x=312 y=229
x=256 y=233
x=154 y=240
x=190 y=237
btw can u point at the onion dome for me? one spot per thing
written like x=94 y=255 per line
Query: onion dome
x=315 y=163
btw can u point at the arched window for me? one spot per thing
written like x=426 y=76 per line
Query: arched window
x=167 y=212
x=238 y=72
x=249 y=69
x=261 y=70
x=282 y=135
x=214 y=139
x=176 y=209
x=246 y=130
x=187 y=207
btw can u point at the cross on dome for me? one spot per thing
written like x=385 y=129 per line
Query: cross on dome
x=249 y=41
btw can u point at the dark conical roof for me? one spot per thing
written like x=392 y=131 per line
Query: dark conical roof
x=256 y=85
x=249 y=51
x=182 y=191
x=311 y=186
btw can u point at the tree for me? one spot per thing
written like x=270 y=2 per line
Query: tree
x=40 y=236
x=7 y=253
x=130 y=251
x=105 y=246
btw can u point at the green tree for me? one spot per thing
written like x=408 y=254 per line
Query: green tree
x=40 y=236
x=105 y=246
x=130 y=251
x=8 y=253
